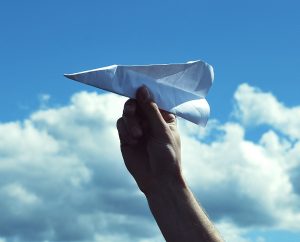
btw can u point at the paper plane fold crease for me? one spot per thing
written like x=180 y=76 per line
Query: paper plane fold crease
x=177 y=88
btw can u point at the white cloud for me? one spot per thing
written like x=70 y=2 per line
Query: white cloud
x=248 y=184
x=256 y=107
x=20 y=194
x=232 y=233
x=62 y=175
x=44 y=100
x=251 y=183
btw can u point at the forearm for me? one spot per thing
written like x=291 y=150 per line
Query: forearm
x=179 y=216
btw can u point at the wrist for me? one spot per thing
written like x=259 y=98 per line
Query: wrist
x=166 y=185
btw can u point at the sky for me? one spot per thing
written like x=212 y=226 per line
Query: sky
x=62 y=177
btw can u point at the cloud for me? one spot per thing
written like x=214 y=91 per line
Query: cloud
x=232 y=233
x=252 y=184
x=62 y=177
x=255 y=107
x=44 y=100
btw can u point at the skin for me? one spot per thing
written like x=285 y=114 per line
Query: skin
x=150 y=146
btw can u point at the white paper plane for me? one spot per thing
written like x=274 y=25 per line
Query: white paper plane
x=176 y=88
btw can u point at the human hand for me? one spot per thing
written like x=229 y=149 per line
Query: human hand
x=150 y=143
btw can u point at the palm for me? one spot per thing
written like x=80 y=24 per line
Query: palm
x=151 y=158
x=150 y=142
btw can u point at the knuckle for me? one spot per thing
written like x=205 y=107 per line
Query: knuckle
x=118 y=123
x=153 y=105
x=129 y=108
x=153 y=108
x=129 y=102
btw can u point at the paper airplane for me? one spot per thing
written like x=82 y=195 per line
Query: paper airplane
x=176 y=88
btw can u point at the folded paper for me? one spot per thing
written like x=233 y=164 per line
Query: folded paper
x=177 y=88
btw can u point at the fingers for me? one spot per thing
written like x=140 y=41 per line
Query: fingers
x=150 y=110
x=131 y=119
x=170 y=118
x=125 y=137
x=128 y=126
x=142 y=115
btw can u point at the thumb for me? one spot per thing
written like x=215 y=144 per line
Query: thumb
x=151 y=111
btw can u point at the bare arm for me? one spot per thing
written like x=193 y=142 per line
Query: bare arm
x=150 y=146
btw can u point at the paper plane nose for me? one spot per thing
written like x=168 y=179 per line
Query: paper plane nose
x=68 y=76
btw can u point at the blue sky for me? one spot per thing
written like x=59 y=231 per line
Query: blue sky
x=253 y=42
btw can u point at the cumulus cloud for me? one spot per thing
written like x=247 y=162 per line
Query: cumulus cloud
x=252 y=184
x=62 y=177
x=255 y=107
x=251 y=179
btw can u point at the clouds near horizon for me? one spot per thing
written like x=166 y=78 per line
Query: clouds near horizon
x=62 y=177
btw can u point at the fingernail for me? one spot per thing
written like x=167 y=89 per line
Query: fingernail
x=144 y=94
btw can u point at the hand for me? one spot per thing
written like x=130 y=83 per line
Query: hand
x=150 y=143
x=150 y=147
